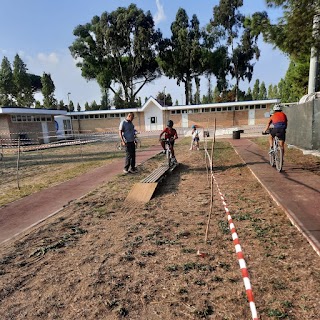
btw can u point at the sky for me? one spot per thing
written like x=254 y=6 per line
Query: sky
x=41 y=31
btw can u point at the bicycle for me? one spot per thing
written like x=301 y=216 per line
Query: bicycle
x=276 y=154
x=170 y=160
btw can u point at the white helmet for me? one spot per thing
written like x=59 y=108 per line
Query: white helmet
x=277 y=107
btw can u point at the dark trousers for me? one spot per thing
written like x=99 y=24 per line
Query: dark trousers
x=130 y=156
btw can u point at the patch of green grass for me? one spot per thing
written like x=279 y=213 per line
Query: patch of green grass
x=224 y=226
x=278 y=314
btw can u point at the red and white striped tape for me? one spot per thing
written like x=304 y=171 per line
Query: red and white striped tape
x=242 y=263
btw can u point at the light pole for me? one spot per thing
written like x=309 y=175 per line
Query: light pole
x=164 y=96
x=68 y=98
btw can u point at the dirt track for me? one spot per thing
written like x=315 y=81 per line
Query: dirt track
x=102 y=259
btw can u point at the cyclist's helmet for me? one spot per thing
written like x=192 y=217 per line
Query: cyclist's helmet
x=194 y=126
x=277 y=107
x=170 y=124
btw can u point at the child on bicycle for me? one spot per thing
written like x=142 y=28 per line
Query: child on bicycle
x=280 y=122
x=171 y=134
x=195 y=137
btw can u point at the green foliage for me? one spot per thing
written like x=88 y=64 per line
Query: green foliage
x=295 y=84
x=17 y=87
x=22 y=92
x=228 y=19
x=119 y=48
x=164 y=99
x=48 y=88
x=6 y=84
x=262 y=91
x=256 y=90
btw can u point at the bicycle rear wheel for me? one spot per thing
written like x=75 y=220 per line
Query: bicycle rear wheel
x=279 y=159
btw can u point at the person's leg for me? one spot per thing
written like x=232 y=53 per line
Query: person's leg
x=127 y=159
x=132 y=155
x=270 y=141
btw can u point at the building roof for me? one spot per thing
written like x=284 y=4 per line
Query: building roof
x=153 y=101
x=20 y=110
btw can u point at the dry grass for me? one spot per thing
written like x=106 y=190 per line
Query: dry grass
x=102 y=258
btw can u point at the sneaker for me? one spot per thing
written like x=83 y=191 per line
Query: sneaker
x=125 y=171
x=133 y=170
x=163 y=151
x=190 y=149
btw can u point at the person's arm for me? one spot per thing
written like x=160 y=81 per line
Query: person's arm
x=121 y=137
x=161 y=134
x=175 y=134
x=268 y=124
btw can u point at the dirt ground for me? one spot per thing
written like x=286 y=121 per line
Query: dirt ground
x=104 y=258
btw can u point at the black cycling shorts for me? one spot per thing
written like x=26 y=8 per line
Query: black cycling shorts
x=279 y=132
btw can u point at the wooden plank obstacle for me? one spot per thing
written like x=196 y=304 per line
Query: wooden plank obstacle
x=143 y=190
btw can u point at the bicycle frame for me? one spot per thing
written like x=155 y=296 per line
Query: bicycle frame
x=169 y=159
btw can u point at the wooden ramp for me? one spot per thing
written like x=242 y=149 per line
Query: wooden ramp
x=143 y=190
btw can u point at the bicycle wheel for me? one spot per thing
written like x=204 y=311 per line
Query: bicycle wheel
x=279 y=159
x=168 y=155
x=271 y=159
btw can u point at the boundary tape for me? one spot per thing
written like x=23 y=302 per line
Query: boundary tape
x=238 y=249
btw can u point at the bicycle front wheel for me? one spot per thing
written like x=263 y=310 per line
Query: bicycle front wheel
x=168 y=156
x=279 y=159
x=271 y=159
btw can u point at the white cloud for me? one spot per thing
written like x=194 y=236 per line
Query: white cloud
x=51 y=58
x=159 y=15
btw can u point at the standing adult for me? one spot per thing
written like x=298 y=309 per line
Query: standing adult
x=127 y=136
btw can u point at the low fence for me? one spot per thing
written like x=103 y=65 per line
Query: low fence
x=304 y=125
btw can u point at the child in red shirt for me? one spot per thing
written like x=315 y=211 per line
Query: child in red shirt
x=171 y=134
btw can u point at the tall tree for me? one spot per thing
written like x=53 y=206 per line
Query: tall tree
x=262 y=91
x=182 y=55
x=119 y=48
x=293 y=35
x=105 y=102
x=256 y=90
x=231 y=23
x=22 y=83
x=48 y=88
x=164 y=98
x=6 y=83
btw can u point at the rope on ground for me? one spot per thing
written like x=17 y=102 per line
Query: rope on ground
x=236 y=242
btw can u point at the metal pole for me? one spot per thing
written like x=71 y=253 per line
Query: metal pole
x=314 y=58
